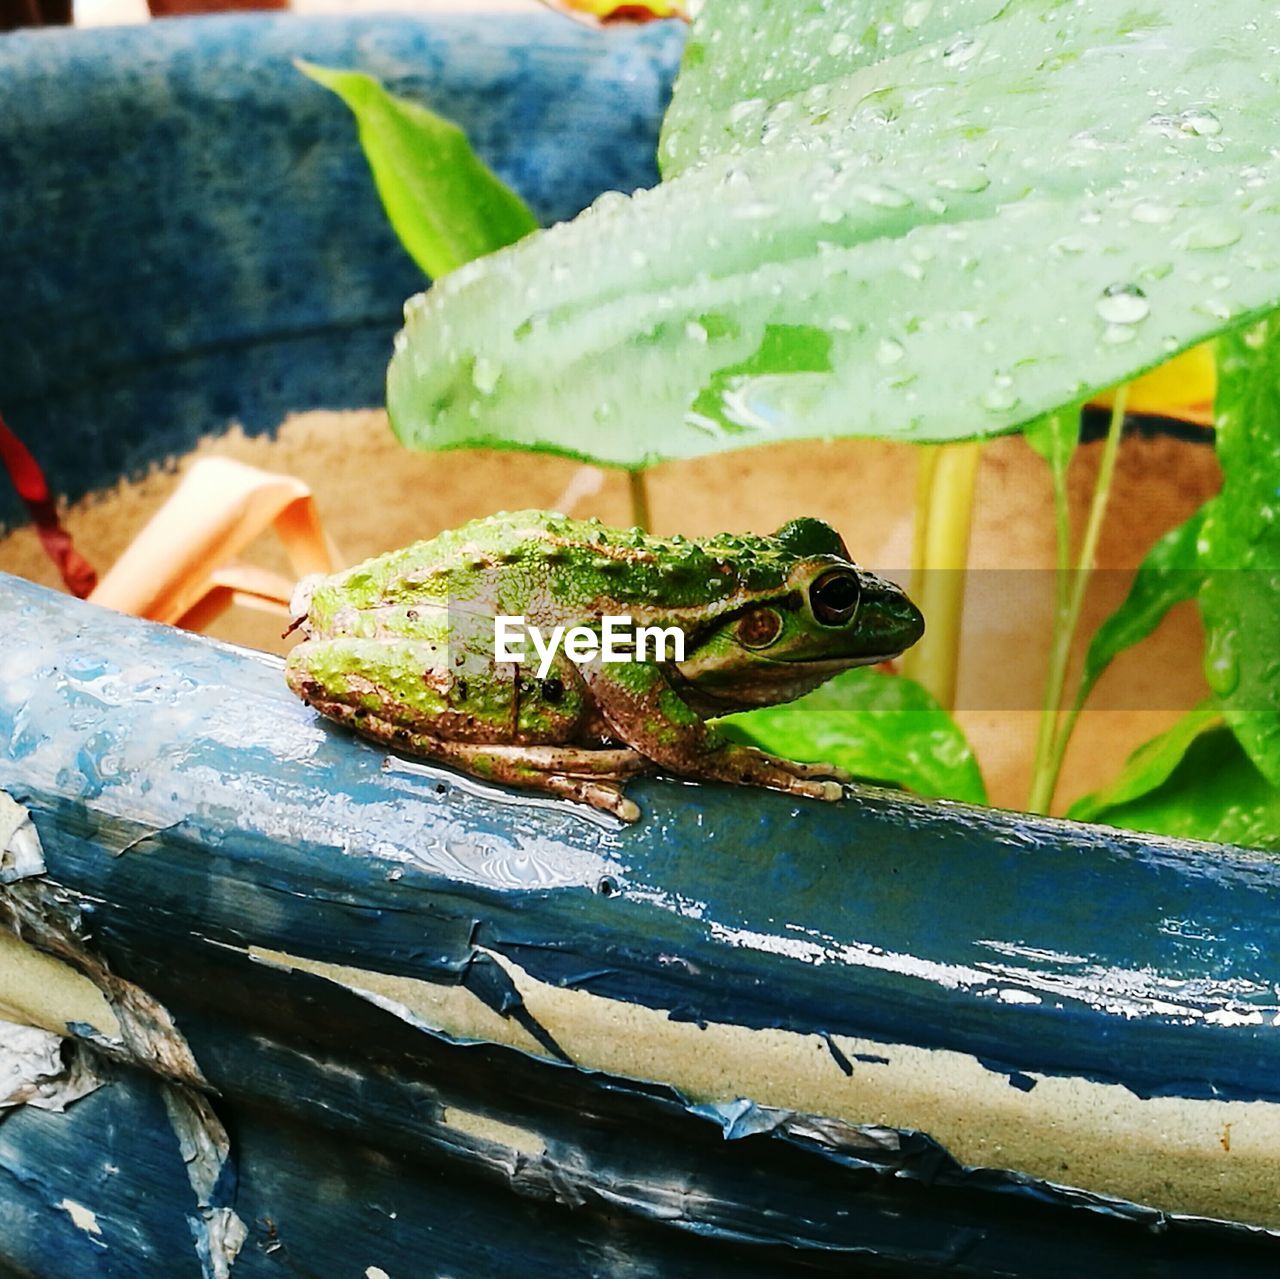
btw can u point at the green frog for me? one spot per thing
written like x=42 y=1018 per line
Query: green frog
x=560 y=655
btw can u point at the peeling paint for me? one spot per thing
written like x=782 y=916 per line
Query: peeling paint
x=33 y=1071
x=218 y=1232
x=485 y=1128
x=1163 y=1150
x=21 y=855
x=427 y=1005
x=38 y=990
x=1117 y=1143
x=48 y=918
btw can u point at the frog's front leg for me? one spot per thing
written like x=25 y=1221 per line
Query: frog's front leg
x=642 y=709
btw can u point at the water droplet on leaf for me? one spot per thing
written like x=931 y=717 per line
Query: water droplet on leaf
x=889 y=351
x=1000 y=395
x=1152 y=214
x=915 y=12
x=1123 y=304
x=1222 y=665
x=961 y=52
x=484 y=375
x=1210 y=233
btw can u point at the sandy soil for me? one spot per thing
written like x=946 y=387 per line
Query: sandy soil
x=373 y=495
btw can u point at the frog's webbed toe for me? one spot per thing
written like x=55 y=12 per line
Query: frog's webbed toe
x=602 y=795
x=828 y=772
x=750 y=767
x=589 y=776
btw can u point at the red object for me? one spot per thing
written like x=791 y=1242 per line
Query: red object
x=28 y=479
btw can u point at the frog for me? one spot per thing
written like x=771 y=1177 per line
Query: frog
x=401 y=649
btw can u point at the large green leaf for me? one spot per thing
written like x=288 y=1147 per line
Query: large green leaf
x=445 y=204
x=1169 y=573
x=1240 y=545
x=1194 y=782
x=891 y=220
x=882 y=727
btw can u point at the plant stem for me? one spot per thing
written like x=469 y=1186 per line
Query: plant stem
x=926 y=471
x=1058 y=464
x=1062 y=519
x=639 y=489
x=1051 y=750
x=944 y=518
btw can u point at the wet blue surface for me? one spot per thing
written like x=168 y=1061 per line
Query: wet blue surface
x=1134 y=961
x=191 y=235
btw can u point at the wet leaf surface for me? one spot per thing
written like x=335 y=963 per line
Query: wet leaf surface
x=984 y=211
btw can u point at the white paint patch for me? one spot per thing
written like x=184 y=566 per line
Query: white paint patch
x=1231 y=1017
x=376 y=1272
x=1162 y=1151
x=81 y=1217
x=1012 y=995
x=21 y=855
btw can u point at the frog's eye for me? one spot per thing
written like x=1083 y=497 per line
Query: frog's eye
x=758 y=628
x=834 y=596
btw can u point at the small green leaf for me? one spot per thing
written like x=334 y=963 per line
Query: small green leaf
x=445 y=204
x=1169 y=574
x=1055 y=437
x=882 y=727
x=1195 y=782
x=1149 y=766
x=1240 y=545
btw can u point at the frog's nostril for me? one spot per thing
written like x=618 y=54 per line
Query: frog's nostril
x=913 y=623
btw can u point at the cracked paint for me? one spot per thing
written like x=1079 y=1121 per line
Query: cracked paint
x=48 y=918
x=218 y=1232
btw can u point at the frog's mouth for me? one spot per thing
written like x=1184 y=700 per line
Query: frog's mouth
x=767 y=682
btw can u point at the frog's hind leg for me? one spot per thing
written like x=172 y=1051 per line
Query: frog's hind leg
x=590 y=776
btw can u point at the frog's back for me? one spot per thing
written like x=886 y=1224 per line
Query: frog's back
x=600 y=567
x=574 y=562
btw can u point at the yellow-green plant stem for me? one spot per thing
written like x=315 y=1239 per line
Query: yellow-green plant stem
x=639 y=490
x=926 y=469
x=1061 y=591
x=944 y=518
x=1052 y=748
